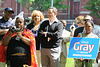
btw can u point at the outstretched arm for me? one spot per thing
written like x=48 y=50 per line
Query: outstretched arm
x=3 y=31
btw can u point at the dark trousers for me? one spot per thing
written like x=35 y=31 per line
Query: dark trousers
x=19 y=61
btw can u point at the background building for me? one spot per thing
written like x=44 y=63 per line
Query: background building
x=76 y=9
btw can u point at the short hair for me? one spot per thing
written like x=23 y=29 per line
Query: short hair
x=37 y=11
x=54 y=9
x=63 y=21
x=79 y=19
x=90 y=17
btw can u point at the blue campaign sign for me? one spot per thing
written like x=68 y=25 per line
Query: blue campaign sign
x=86 y=48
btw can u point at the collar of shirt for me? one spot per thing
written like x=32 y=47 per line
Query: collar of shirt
x=53 y=21
x=5 y=20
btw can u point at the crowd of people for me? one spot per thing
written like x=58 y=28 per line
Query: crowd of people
x=41 y=43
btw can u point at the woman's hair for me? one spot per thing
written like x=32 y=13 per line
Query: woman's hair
x=79 y=19
x=92 y=23
x=34 y=13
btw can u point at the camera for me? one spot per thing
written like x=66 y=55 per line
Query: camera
x=14 y=29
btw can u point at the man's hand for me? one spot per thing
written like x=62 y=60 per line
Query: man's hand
x=45 y=33
x=49 y=39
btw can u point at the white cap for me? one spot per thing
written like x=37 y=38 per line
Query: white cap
x=20 y=15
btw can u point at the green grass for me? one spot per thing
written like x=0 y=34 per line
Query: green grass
x=68 y=44
x=70 y=61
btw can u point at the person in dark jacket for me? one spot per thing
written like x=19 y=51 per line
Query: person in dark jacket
x=50 y=36
x=80 y=29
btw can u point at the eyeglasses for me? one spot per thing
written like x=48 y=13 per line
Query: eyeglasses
x=85 y=19
x=78 y=22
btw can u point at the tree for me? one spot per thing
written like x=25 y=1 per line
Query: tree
x=94 y=6
x=42 y=5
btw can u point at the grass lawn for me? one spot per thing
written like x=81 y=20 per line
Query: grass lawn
x=70 y=61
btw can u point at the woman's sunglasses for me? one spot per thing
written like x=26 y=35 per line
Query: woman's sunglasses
x=85 y=19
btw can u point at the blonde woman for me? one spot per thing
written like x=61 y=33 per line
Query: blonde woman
x=79 y=21
x=37 y=17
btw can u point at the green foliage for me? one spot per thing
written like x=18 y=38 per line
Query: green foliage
x=43 y=5
x=94 y=6
x=24 y=2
